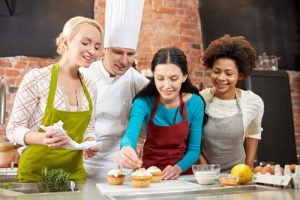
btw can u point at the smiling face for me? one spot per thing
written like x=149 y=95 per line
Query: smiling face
x=168 y=79
x=118 y=60
x=85 y=46
x=225 y=75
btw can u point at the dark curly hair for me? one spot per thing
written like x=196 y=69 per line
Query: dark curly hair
x=236 y=48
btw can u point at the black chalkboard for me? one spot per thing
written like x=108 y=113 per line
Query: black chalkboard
x=29 y=27
x=272 y=26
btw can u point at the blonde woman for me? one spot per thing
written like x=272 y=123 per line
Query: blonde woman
x=58 y=92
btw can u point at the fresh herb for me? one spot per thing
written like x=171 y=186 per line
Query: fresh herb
x=6 y=186
x=54 y=180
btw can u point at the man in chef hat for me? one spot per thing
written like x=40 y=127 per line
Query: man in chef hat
x=117 y=82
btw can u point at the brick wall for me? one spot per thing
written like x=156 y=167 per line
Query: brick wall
x=13 y=69
x=295 y=96
x=165 y=23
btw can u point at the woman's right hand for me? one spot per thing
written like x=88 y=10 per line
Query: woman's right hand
x=127 y=158
x=202 y=160
x=53 y=140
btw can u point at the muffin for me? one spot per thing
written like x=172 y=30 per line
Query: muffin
x=141 y=178
x=115 y=177
x=293 y=167
x=156 y=174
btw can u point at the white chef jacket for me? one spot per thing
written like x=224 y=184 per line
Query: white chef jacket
x=114 y=100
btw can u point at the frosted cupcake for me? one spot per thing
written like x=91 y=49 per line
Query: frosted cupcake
x=141 y=178
x=156 y=174
x=115 y=177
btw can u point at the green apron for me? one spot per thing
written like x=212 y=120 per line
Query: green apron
x=37 y=157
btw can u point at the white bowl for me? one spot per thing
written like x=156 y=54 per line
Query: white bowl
x=206 y=174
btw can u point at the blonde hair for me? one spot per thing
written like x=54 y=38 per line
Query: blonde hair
x=70 y=29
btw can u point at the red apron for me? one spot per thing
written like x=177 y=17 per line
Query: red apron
x=166 y=145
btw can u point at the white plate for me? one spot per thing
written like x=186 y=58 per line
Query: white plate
x=162 y=187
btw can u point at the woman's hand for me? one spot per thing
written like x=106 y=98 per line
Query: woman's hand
x=90 y=152
x=202 y=160
x=127 y=158
x=171 y=172
x=53 y=140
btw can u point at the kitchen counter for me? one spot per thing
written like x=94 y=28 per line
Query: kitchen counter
x=88 y=191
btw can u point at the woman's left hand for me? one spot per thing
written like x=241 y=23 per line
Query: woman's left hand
x=171 y=172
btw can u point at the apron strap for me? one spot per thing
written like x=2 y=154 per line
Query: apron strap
x=87 y=94
x=236 y=97
x=154 y=108
x=53 y=84
x=183 y=109
x=181 y=105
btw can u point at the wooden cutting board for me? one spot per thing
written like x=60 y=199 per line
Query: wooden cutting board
x=163 y=186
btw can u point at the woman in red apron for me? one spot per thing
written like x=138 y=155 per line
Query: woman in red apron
x=173 y=112
x=57 y=93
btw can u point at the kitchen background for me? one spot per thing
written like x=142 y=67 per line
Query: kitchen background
x=165 y=23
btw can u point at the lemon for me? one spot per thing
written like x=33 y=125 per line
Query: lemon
x=243 y=172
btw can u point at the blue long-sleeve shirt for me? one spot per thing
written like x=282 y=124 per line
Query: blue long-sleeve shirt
x=141 y=111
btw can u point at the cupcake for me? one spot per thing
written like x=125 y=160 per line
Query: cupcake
x=141 y=178
x=115 y=177
x=156 y=174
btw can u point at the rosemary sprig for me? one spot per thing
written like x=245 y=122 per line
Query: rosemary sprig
x=6 y=186
x=54 y=180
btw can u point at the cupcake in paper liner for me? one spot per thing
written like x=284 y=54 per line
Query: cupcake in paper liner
x=156 y=174
x=115 y=177
x=141 y=178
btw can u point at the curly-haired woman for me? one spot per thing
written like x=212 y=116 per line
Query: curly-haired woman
x=234 y=115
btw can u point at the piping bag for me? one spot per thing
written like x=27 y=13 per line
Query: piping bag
x=58 y=127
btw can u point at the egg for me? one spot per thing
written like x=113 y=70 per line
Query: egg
x=267 y=170
x=257 y=169
x=293 y=167
x=273 y=167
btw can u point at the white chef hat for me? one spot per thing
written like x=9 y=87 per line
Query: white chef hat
x=123 y=23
